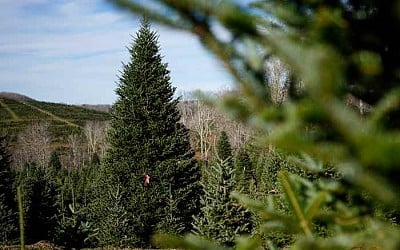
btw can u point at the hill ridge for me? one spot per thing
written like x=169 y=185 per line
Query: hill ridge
x=15 y=96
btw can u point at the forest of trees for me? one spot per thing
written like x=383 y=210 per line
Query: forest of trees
x=301 y=154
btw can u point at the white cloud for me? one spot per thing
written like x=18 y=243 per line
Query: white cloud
x=71 y=51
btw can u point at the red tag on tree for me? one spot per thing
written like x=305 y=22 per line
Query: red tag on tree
x=146 y=179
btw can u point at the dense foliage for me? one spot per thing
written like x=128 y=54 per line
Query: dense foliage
x=7 y=202
x=333 y=50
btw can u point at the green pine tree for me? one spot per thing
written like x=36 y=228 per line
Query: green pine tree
x=222 y=219
x=146 y=138
x=224 y=149
x=7 y=222
x=74 y=229
x=245 y=173
x=95 y=160
x=54 y=162
x=7 y=204
x=39 y=191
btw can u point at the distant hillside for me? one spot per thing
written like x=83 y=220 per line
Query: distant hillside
x=15 y=96
x=98 y=107
x=17 y=111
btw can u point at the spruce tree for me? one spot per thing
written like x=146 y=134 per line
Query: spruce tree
x=7 y=204
x=6 y=176
x=54 y=162
x=245 y=174
x=95 y=159
x=39 y=191
x=224 y=149
x=73 y=229
x=221 y=218
x=147 y=140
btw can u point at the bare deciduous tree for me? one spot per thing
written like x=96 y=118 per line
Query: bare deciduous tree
x=202 y=123
x=200 y=119
x=206 y=122
x=277 y=80
x=237 y=132
x=95 y=136
x=33 y=145
x=103 y=144
x=74 y=155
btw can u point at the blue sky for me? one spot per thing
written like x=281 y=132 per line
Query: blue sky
x=71 y=51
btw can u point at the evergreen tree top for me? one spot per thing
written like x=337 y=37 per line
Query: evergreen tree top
x=144 y=39
x=145 y=90
x=224 y=148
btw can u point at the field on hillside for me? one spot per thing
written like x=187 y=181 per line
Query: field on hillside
x=16 y=114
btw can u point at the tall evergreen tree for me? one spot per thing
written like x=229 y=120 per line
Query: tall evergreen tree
x=147 y=142
x=6 y=179
x=54 y=162
x=224 y=148
x=7 y=203
x=221 y=218
x=245 y=173
x=73 y=229
x=39 y=191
